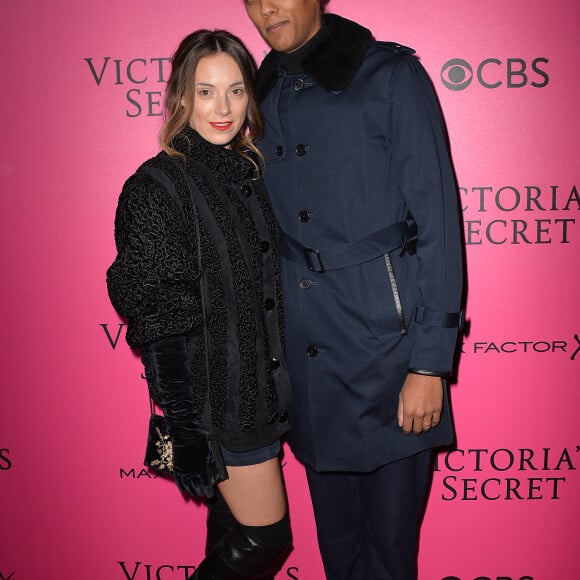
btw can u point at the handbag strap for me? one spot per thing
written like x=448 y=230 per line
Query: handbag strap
x=152 y=406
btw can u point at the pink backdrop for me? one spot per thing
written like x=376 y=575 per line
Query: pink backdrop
x=81 y=105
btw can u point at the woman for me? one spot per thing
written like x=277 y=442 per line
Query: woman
x=197 y=276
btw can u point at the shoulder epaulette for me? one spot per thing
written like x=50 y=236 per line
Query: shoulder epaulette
x=398 y=48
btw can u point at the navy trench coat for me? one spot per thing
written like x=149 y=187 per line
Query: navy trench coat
x=349 y=151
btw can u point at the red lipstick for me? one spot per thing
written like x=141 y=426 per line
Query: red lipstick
x=224 y=126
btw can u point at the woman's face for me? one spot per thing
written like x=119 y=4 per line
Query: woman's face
x=220 y=99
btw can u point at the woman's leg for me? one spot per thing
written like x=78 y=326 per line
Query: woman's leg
x=260 y=539
x=255 y=493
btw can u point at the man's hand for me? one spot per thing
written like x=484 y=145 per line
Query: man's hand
x=420 y=403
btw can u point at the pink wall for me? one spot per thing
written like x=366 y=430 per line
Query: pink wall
x=73 y=409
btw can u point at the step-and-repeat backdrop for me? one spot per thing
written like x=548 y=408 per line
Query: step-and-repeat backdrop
x=82 y=92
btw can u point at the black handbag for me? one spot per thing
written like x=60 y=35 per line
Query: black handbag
x=159 y=449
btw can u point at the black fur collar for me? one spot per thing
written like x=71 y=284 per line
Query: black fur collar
x=226 y=165
x=332 y=64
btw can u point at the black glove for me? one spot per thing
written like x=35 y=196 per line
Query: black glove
x=197 y=461
x=196 y=468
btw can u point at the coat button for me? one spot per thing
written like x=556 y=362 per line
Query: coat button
x=312 y=351
x=303 y=216
x=247 y=190
x=279 y=150
x=274 y=363
x=300 y=150
x=264 y=246
x=298 y=84
x=283 y=417
x=305 y=283
x=269 y=304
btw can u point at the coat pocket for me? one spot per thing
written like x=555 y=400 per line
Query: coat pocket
x=384 y=298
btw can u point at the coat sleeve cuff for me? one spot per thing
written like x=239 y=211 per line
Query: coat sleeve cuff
x=440 y=319
x=434 y=350
x=428 y=373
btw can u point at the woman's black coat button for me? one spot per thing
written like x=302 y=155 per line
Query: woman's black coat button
x=274 y=363
x=312 y=351
x=300 y=150
x=247 y=190
x=264 y=246
x=269 y=304
x=283 y=417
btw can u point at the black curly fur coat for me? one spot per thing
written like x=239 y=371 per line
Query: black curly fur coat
x=231 y=309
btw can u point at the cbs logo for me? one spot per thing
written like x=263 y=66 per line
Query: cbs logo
x=515 y=73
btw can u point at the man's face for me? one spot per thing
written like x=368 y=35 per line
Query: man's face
x=285 y=25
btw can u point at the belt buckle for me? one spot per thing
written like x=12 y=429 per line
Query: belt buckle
x=309 y=262
x=410 y=239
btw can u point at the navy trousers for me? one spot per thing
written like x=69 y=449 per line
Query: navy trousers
x=368 y=523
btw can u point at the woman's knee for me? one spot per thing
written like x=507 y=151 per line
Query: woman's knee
x=255 y=494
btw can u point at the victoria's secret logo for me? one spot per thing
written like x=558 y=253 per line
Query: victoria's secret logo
x=505 y=474
x=141 y=571
x=141 y=75
x=113 y=333
x=5 y=462
x=544 y=214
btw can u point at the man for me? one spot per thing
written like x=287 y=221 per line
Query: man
x=356 y=165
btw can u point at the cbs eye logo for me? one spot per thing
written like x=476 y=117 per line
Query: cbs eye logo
x=515 y=73
x=456 y=74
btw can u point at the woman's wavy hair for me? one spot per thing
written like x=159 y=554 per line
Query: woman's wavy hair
x=180 y=89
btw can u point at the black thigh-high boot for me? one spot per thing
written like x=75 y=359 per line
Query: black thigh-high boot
x=219 y=520
x=248 y=552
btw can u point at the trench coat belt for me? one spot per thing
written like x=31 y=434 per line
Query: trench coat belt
x=401 y=234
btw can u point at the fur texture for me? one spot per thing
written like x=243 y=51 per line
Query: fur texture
x=334 y=62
